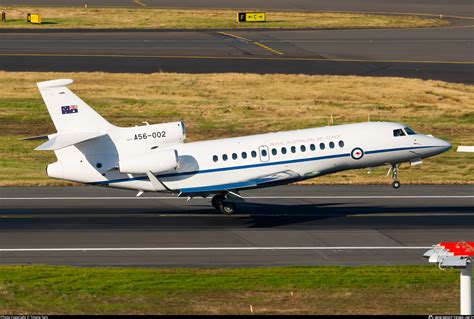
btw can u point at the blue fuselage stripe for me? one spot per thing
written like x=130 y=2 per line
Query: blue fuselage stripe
x=222 y=169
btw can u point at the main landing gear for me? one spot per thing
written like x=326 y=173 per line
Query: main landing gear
x=394 y=169
x=220 y=203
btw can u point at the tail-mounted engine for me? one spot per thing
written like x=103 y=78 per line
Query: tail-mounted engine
x=153 y=161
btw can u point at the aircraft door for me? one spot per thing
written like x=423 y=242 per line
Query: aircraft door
x=264 y=154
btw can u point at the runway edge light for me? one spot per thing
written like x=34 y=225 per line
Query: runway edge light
x=457 y=255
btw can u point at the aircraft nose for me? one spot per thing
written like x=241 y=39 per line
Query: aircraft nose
x=443 y=145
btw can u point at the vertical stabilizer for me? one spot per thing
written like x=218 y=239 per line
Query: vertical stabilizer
x=67 y=110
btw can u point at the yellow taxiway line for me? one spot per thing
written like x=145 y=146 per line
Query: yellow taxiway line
x=251 y=41
x=229 y=58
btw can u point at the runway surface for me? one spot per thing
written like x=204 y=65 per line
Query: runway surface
x=440 y=53
x=290 y=225
x=452 y=7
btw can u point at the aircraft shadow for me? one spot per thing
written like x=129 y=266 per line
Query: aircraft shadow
x=250 y=215
x=273 y=215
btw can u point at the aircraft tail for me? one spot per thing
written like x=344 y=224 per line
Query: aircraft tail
x=68 y=111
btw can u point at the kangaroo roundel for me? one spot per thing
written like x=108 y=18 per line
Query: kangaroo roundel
x=357 y=153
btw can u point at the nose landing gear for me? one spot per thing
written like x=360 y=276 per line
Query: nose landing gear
x=394 y=169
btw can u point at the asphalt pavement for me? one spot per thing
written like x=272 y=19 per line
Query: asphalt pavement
x=440 y=54
x=288 y=225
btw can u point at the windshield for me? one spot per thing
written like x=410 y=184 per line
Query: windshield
x=409 y=131
x=398 y=132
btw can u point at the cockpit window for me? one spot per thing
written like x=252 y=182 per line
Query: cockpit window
x=398 y=132
x=409 y=131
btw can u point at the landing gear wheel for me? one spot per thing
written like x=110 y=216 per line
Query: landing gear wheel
x=394 y=168
x=227 y=208
x=217 y=200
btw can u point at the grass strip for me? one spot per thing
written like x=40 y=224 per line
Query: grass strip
x=149 y=18
x=279 y=290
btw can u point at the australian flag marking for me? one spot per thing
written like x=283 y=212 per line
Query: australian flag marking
x=68 y=109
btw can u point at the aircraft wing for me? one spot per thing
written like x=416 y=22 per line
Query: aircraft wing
x=264 y=180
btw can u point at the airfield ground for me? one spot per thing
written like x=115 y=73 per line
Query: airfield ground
x=283 y=290
x=148 y=18
x=231 y=104
x=219 y=105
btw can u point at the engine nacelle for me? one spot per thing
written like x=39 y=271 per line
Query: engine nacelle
x=155 y=162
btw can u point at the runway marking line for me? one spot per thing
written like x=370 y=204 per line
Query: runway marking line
x=211 y=248
x=229 y=58
x=249 y=197
x=263 y=46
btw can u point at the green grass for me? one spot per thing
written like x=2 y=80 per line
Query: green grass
x=224 y=105
x=279 y=290
x=150 y=18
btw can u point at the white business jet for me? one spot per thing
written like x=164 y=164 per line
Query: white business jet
x=155 y=158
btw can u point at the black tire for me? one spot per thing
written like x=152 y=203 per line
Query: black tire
x=216 y=201
x=227 y=208
x=396 y=184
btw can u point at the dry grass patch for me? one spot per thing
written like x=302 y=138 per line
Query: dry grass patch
x=220 y=105
x=148 y=18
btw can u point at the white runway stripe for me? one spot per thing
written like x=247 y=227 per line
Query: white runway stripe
x=213 y=248
x=249 y=197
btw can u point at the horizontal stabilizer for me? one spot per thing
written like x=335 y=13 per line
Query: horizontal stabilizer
x=60 y=140
x=35 y=138
x=54 y=83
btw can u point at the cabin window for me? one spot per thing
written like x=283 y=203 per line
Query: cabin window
x=331 y=144
x=303 y=148
x=293 y=149
x=398 y=132
x=274 y=151
x=409 y=131
x=254 y=154
x=234 y=156
x=244 y=155
x=312 y=147
x=341 y=143
x=215 y=158
x=264 y=152
x=224 y=157
x=322 y=146
x=283 y=150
